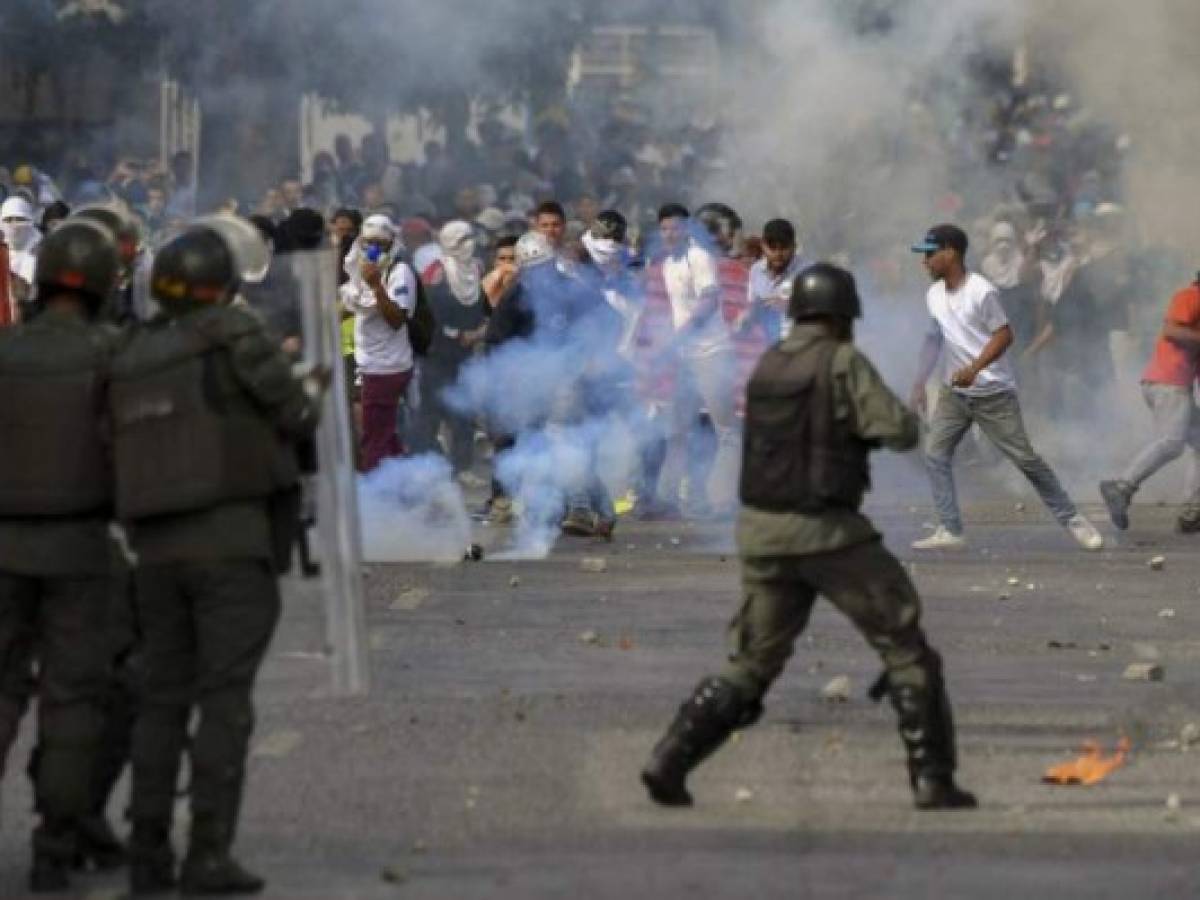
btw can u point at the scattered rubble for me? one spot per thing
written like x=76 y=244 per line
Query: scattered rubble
x=1173 y=805
x=277 y=744
x=837 y=690
x=394 y=874
x=410 y=599
x=1143 y=672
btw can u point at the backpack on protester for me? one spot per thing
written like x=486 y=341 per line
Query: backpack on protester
x=422 y=324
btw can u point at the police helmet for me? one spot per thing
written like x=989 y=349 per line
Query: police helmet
x=195 y=267
x=121 y=223
x=721 y=222
x=79 y=256
x=610 y=225
x=824 y=290
x=533 y=249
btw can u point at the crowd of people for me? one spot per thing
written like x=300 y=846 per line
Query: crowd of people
x=701 y=290
x=554 y=299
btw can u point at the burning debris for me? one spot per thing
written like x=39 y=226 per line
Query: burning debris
x=1091 y=767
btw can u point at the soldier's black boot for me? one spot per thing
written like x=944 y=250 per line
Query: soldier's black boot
x=53 y=854
x=704 y=722
x=151 y=859
x=927 y=730
x=208 y=868
x=98 y=845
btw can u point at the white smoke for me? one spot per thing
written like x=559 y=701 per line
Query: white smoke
x=412 y=510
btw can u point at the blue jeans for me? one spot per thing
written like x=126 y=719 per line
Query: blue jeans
x=999 y=418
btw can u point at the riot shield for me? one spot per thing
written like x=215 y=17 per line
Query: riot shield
x=8 y=315
x=250 y=251
x=337 y=516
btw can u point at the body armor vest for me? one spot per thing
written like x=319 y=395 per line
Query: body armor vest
x=53 y=461
x=797 y=457
x=186 y=434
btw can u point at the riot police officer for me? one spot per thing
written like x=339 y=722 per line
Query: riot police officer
x=55 y=508
x=815 y=408
x=206 y=412
x=128 y=303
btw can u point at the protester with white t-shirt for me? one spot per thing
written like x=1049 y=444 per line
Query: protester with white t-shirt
x=970 y=334
x=770 y=286
x=382 y=294
x=705 y=365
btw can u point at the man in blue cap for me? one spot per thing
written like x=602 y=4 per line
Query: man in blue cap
x=969 y=333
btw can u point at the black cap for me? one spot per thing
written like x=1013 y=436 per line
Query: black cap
x=941 y=236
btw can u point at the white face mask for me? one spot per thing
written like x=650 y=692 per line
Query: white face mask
x=19 y=235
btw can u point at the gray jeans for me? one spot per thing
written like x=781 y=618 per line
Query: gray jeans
x=1176 y=429
x=999 y=418
x=705 y=382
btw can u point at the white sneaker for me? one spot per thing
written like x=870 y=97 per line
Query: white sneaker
x=1085 y=533
x=941 y=539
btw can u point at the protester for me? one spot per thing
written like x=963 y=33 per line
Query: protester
x=382 y=294
x=969 y=332
x=703 y=361
x=1168 y=387
x=456 y=299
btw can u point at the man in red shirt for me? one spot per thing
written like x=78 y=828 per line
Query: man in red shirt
x=1168 y=384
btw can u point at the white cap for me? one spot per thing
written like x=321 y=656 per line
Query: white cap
x=491 y=218
x=378 y=228
x=533 y=249
x=17 y=208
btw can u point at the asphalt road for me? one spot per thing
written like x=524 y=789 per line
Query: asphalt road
x=513 y=704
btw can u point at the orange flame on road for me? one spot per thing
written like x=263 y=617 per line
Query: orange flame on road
x=1091 y=767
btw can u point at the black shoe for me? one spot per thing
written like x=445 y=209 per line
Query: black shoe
x=49 y=876
x=217 y=873
x=149 y=879
x=151 y=861
x=585 y=523
x=1116 y=496
x=98 y=846
x=1188 y=521
x=940 y=792
x=53 y=852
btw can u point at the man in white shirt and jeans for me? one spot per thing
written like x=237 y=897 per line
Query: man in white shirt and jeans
x=705 y=362
x=382 y=294
x=970 y=333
